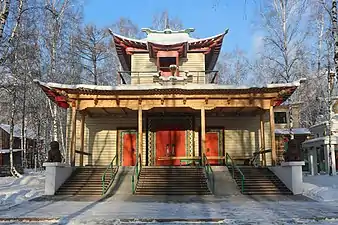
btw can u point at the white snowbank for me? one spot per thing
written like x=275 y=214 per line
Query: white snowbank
x=14 y=191
x=321 y=187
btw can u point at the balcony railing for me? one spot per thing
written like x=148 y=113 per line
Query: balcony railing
x=166 y=77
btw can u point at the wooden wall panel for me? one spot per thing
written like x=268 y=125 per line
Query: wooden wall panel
x=142 y=62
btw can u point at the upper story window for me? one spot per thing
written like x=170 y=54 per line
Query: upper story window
x=165 y=59
x=280 y=117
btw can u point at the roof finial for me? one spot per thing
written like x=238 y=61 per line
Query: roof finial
x=166 y=21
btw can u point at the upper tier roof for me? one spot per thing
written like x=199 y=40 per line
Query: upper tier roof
x=168 y=38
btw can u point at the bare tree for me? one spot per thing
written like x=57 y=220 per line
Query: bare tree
x=233 y=67
x=162 y=21
x=92 y=47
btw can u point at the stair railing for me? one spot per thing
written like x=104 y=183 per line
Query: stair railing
x=109 y=168
x=136 y=173
x=209 y=172
x=256 y=156
x=230 y=162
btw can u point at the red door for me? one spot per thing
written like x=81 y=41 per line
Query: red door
x=170 y=143
x=178 y=145
x=163 y=138
x=129 y=149
x=212 y=145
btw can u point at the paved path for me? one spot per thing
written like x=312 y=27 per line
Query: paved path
x=231 y=210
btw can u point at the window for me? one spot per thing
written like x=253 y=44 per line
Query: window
x=165 y=62
x=280 y=117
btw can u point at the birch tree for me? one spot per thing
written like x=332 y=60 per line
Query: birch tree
x=284 y=38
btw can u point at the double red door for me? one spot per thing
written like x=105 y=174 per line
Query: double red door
x=170 y=143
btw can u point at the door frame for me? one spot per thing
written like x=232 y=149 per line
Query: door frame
x=220 y=130
x=151 y=135
x=119 y=140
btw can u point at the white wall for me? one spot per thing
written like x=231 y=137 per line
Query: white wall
x=56 y=175
x=290 y=173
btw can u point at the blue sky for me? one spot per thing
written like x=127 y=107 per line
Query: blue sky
x=199 y=14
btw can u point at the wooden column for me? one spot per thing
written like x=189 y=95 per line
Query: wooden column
x=263 y=136
x=73 y=137
x=83 y=118
x=140 y=133
x=202 y=132
x=273 y=139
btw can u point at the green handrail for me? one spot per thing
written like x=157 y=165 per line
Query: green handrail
x=110 y=168
x=137 y=171
x=233 y=167
x=210 y=173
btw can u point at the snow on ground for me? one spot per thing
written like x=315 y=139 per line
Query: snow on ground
x=14 y=191
x=321 y=187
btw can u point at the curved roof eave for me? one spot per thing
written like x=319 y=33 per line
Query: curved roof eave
x=208 y=38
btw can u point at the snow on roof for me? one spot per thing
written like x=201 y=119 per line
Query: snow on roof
x=189 y=86
x=17 y=131
x=296 y=131
x=168 y=39
x=172 y=37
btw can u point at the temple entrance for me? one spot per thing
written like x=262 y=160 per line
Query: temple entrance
x=128 y=146
x=169 y=143
x=214 y=146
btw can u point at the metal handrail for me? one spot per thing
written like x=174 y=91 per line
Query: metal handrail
x=210 y=173
x=256 y=155
x=233 y=167
x=111 y=167
x=137 y=172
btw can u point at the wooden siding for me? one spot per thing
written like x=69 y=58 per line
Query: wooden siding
x=101 y=138
x=194 y=62
x=142 y=62
x=241 y=137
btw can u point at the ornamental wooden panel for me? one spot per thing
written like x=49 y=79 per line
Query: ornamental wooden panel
x=241 y=134
x=194 y=62
x=142 y=62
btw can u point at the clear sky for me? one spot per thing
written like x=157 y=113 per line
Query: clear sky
x=237 y=15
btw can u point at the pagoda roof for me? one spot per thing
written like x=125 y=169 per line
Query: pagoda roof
x=167 y=39
x=57 y=92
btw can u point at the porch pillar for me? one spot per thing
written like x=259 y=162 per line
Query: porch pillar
x=263 y=137
x=83 y=118
x=140 y=134
x=273 y=138
x=73 y=137
x=203 y=132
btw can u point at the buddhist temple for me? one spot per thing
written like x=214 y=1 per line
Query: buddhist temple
x=168 y=108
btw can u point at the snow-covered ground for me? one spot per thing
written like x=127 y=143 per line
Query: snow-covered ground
x=321 y=187
x=14 y=191
x=233 y=210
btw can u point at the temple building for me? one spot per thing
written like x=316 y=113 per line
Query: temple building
x=168 y=108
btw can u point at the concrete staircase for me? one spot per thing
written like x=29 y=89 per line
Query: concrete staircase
x=85 y=181
x=180 y=180
x=260 y=181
